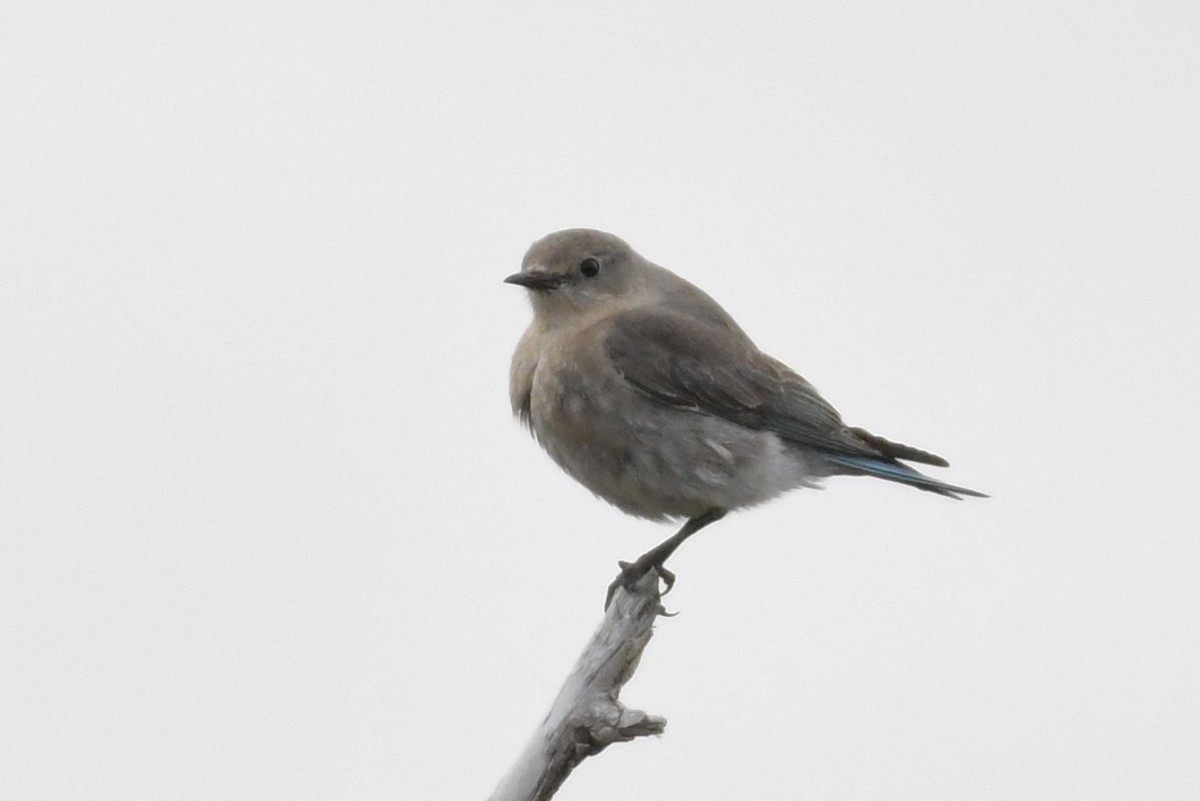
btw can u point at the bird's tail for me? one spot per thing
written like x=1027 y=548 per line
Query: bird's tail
x=900 y=473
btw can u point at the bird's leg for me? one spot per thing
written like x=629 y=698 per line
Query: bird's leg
x=632 y=572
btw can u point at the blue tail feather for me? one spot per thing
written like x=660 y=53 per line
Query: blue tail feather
x=900 y=473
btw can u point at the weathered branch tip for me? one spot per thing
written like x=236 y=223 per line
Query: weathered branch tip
x=587 y=716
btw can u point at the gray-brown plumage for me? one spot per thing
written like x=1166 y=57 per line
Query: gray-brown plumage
x=646 y=391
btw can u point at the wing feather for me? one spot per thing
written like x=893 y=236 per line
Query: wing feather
x=718 y=371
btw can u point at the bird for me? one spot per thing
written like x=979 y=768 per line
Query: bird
x=645 y=390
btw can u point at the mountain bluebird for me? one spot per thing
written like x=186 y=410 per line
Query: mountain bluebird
x=648 y=393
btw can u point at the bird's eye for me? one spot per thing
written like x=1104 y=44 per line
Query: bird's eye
x=589 y=267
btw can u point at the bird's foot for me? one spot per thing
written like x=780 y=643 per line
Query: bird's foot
x=633 y=572
x=653 y=559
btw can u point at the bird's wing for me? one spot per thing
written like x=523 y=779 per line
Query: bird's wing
x=715 y=370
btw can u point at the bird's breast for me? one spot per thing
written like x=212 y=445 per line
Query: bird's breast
x=645 y=457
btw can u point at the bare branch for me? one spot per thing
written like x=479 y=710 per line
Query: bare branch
x=587 y=716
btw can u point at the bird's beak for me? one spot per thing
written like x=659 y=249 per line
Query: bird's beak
x=535 y=280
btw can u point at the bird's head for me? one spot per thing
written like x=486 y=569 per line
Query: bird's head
x=579 y=271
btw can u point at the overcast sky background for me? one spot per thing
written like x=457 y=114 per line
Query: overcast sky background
x=268 y=530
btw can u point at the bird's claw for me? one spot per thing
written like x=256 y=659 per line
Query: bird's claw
x=633 y=572
x=653 y=559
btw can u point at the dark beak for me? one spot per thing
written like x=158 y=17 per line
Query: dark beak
x=535 y=280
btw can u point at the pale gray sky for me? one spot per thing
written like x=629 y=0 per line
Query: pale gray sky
x=268 y=531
